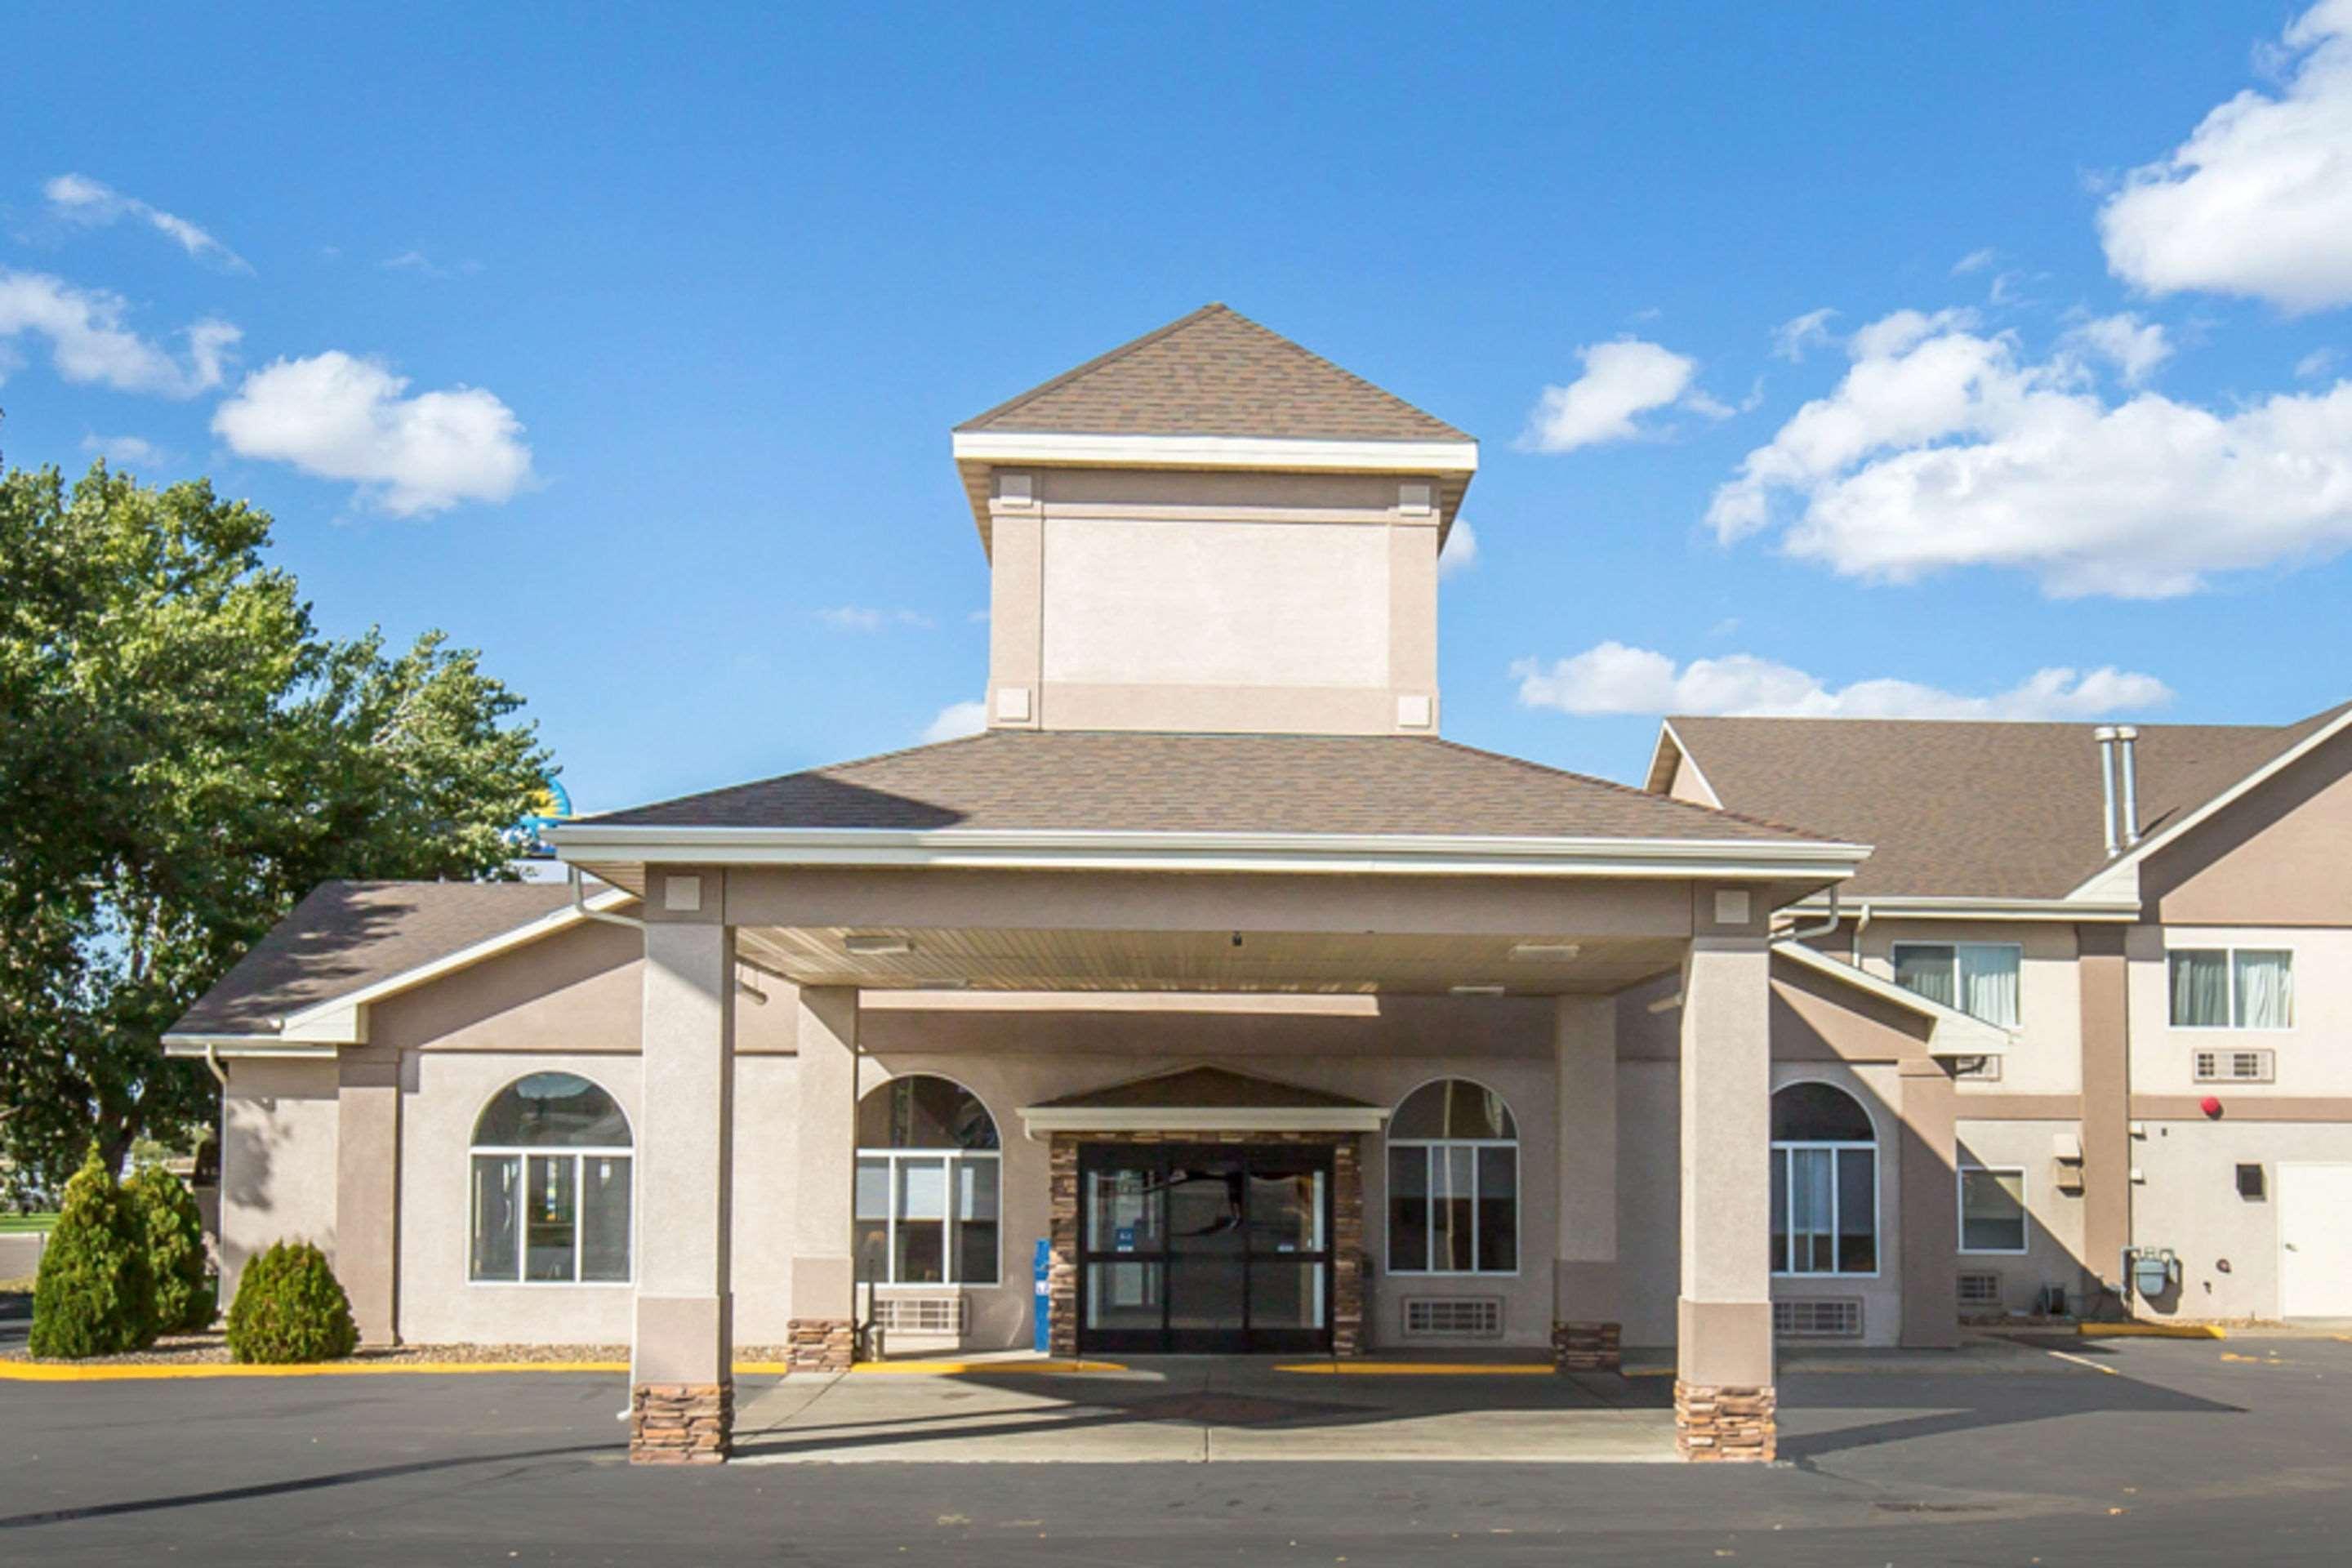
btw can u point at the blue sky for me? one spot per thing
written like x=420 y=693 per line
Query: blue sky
x=624 y=343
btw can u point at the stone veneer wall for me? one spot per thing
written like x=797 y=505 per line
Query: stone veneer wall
x=681 y=1423
x=1586 y=1347
x=1347 y=1226
x=1725 y=1423
x=819 y=1344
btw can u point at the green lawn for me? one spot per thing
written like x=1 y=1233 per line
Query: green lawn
x=26 y=1224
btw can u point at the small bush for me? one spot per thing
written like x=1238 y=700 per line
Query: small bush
x=290 y=1308
x=176 y=1250
x=94 y=1294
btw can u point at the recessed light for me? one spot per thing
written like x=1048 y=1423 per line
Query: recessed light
x=1545 y=951
x=1477 y=990
x=876 y=944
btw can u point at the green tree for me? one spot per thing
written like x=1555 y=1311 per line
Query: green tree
x=94 y=1294
x=290 y=1307
x=183 y=755
x=174 y=1232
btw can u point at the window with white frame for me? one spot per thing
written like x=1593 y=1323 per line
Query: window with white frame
x=1979 y=978
x=1824 y=1183
x=1454 y=1181
x=927 y=1183
x=1992 y=1209
x=551 y=1179
x=2233 y=988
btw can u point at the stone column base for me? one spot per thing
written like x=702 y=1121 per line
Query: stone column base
x=1724 y=1423
x=681 y=1423
x=819 y=1344
x=1585 y=1347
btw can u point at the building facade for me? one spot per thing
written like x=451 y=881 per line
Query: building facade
x=1208 y=979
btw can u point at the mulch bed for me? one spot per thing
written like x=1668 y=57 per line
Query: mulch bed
x=210 y=1349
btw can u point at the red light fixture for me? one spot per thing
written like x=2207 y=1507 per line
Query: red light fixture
x=2210 y=1105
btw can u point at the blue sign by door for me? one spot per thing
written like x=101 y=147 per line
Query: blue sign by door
x=1044 y=1313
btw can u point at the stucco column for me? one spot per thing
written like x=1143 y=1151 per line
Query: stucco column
x=682 y=1385
x=1724 y=1402
x=2106 y=1102
x=823 y=1271
x=367 y=1189
x=1931 y=1223
x=1587 y=1320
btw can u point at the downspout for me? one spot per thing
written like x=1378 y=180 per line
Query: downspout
x=580 y=905
x=1807 y=934
x=1861 y=923
x=211 y=1060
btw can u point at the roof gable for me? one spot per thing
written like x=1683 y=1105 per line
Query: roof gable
x=1213 y=372
x=1203 y=1088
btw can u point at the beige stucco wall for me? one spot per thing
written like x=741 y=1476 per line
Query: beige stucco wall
x=277 y=1159
x=2048 y=1055
x=2188 y=1201
x=1159 y=600
x=2054 y=1242
x=2281 y=857
x=2312 y=1059
x=1878 y=1088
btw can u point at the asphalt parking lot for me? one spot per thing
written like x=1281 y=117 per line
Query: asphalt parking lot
x=2130 y=1452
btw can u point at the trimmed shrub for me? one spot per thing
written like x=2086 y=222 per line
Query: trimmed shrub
x=94 y=1294
x=291 y=1308
x=176 y=1250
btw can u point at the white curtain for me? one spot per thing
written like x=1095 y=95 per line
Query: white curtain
x=1927 y=971
x=2265 y=990
x=1987 y=984
x=2200 y=989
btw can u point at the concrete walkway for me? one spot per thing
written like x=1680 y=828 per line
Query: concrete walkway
x=1204 y=1409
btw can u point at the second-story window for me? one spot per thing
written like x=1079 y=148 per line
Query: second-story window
x=1980 y=978
x=2233 y=988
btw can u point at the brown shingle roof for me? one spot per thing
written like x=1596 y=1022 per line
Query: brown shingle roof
x=1961 y=809
x=1143 y=782
x=349 y=936
x=1204 y=1088
x=1213 y=372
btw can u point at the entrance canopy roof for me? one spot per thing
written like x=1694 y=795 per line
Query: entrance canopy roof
x=1203 y=1099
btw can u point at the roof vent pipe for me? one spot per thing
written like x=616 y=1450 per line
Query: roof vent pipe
x=2106 y=736
x=2127 y=763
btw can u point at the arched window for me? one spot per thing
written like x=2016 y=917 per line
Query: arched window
x=1824 y=1183
x=551 y=1193
x=927 y=1184
x=1454 y=1181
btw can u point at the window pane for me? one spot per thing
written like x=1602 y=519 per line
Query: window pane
x=1123 y=1296
x=923 y=1111
x=1286 y=1211
x=2201 y=988
x=1498 y=1210
x=2265 y=989
x=1927 y=969
x=603 y=1218
x=1452 y=1107
x=1819 y=1113
x=550 y=1217
x=870 y=1228
x=1780 y=1211
x=1988 y=983
x=1809 y=1196
x=922 y=1196
x=1204 y=1290
x=1123 y=1211
x=552 y=1110
x=496 y=1210
x=1451 y=1216
x=1408 y=1211
x=1286 y=1295
x=976 y=1222
x=1992 y=1211
x=1857 y=1175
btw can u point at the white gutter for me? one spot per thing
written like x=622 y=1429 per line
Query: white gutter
x=1928 y=906
x=581 y=907
x=1057 y=849
x=1217 y=452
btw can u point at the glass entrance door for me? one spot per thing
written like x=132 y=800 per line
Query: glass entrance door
x=1218 y=1247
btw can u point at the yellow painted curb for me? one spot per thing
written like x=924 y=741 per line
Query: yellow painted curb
x=47 y=1372
x=967 y=1368
x=2152 y=1331
x=1419 y=1368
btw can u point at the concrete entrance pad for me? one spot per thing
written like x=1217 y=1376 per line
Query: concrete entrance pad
x=1198 y=1409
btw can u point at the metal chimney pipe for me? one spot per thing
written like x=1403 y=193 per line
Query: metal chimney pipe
x=2106 y=736
x=2127 y=763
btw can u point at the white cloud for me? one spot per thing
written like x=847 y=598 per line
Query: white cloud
x=2258 y=201
x=2133 y=346
x=1792 y=337
x=1461 y=551
x=864 y=619
x=2318 y=363
x=1975 y=261
x=341 y=417
x=1948 y=450
x=1621 y=380
x=1611 y=677
x=1893 y=333
x=423 y=265
x=88 y=342
x=81 y=199
x=956 y=721
x=125 y=451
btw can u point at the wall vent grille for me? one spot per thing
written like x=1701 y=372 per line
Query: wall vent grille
x=1453 y=1317
x=1834 y=1319
x=919 y=1314
x=2235 y=1067
x=1979 y=1289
